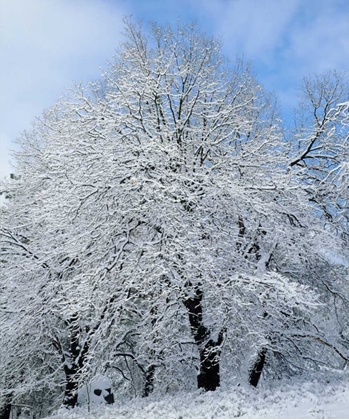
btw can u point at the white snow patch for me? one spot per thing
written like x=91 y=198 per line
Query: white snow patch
x=310 y=400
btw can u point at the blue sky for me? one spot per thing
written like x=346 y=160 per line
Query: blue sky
x=46 y=45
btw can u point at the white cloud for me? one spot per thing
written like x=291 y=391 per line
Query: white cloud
x=44 y=47
x=312 y=33
x=252 y=27
x=321 y=43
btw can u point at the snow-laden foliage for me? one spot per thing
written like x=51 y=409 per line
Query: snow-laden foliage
x=157 y=224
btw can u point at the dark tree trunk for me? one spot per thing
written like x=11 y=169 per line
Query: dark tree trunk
x=209 y=350
x=71 y=387
x=149 y=381
x=209 y=378
x=5 y=412
x=74 y=366
x=257 y=368
x=254 y=251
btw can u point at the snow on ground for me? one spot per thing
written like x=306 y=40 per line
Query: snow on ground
x=310 y=400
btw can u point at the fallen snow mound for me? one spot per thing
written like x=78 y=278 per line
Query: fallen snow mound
x=311 y=400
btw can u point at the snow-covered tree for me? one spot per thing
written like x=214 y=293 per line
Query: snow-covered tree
x=156 y=224
x=319 y=159
x=321 y=144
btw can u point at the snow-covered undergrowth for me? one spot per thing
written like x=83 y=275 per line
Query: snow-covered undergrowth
x=280 y=400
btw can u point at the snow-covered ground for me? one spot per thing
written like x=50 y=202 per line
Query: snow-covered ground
x=310 y=400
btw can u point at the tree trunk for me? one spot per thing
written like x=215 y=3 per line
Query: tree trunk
x=149 y=381
x=209 y=350
x=75 y=365
x=209 y=378
x=71 y=387
x=257 y=368
x=256 y=371
x=5 y=412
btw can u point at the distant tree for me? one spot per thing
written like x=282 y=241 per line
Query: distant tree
x=319 y=159
x=321 y=145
